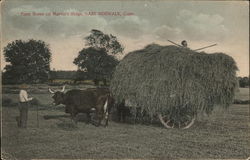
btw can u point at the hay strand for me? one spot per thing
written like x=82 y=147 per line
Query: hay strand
x=161 y=79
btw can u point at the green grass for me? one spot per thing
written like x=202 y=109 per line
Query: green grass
x=243 y=94
x=224 y=134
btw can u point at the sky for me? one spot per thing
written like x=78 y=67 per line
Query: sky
x=200 y=23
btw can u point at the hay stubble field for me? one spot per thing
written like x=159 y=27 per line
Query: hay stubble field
x=224 y=134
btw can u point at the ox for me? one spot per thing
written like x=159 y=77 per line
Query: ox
x=85 y=101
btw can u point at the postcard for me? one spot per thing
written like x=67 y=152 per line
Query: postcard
x=124 y=79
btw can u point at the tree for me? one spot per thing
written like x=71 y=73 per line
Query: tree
x=80 y=76
x=29 y=61
x=96 y=63
x=244 y=82
x=109 y=43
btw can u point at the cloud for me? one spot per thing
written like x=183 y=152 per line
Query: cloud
x=130 y=26
x=200 y=26
x=44 y=26
x=193 y=26
x=18 y=21
x=165 y=32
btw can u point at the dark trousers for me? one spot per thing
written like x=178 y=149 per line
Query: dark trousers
x=22 y=119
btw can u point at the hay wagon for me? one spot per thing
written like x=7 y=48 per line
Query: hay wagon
x=175 y=84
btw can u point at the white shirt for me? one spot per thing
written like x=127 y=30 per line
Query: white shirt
x=23 y=96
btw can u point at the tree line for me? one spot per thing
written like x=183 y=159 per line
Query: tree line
x=29 y=61
x=244 y=82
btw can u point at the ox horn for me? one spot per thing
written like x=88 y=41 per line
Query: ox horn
x=51 y=91
x=63 y=89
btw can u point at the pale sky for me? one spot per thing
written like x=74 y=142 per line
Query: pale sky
x=200 y=23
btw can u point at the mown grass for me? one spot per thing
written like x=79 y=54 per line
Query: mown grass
x=243 y=94
x=224 y=134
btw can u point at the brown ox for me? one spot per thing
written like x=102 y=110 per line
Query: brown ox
x=85 y=101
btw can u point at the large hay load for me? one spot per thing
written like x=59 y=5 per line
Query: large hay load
x=175 y=83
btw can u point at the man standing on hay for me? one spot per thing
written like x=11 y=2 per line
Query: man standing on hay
x=23 y=106
x=184 y=44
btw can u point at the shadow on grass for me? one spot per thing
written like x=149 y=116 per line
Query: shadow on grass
x=47 y=117
x=66 y=123
x=62 y=123
x=67 y=126
x=80 y=117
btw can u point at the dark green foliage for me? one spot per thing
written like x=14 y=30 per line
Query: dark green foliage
x=53 y=75
x=109 y=43
x=173 y=80
x=29 y=62
x=8 y=102
x=239 y=101
x=244 y=82
x=97 y=64
x=67 y=77
x=81 y=76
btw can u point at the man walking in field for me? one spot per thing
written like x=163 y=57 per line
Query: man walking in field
x=23 y=106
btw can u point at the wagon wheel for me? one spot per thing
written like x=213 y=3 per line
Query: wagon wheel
x=180 y=116
x=170 y=123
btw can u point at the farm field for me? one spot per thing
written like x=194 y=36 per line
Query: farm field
x=223 y=135
x=243 y=94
